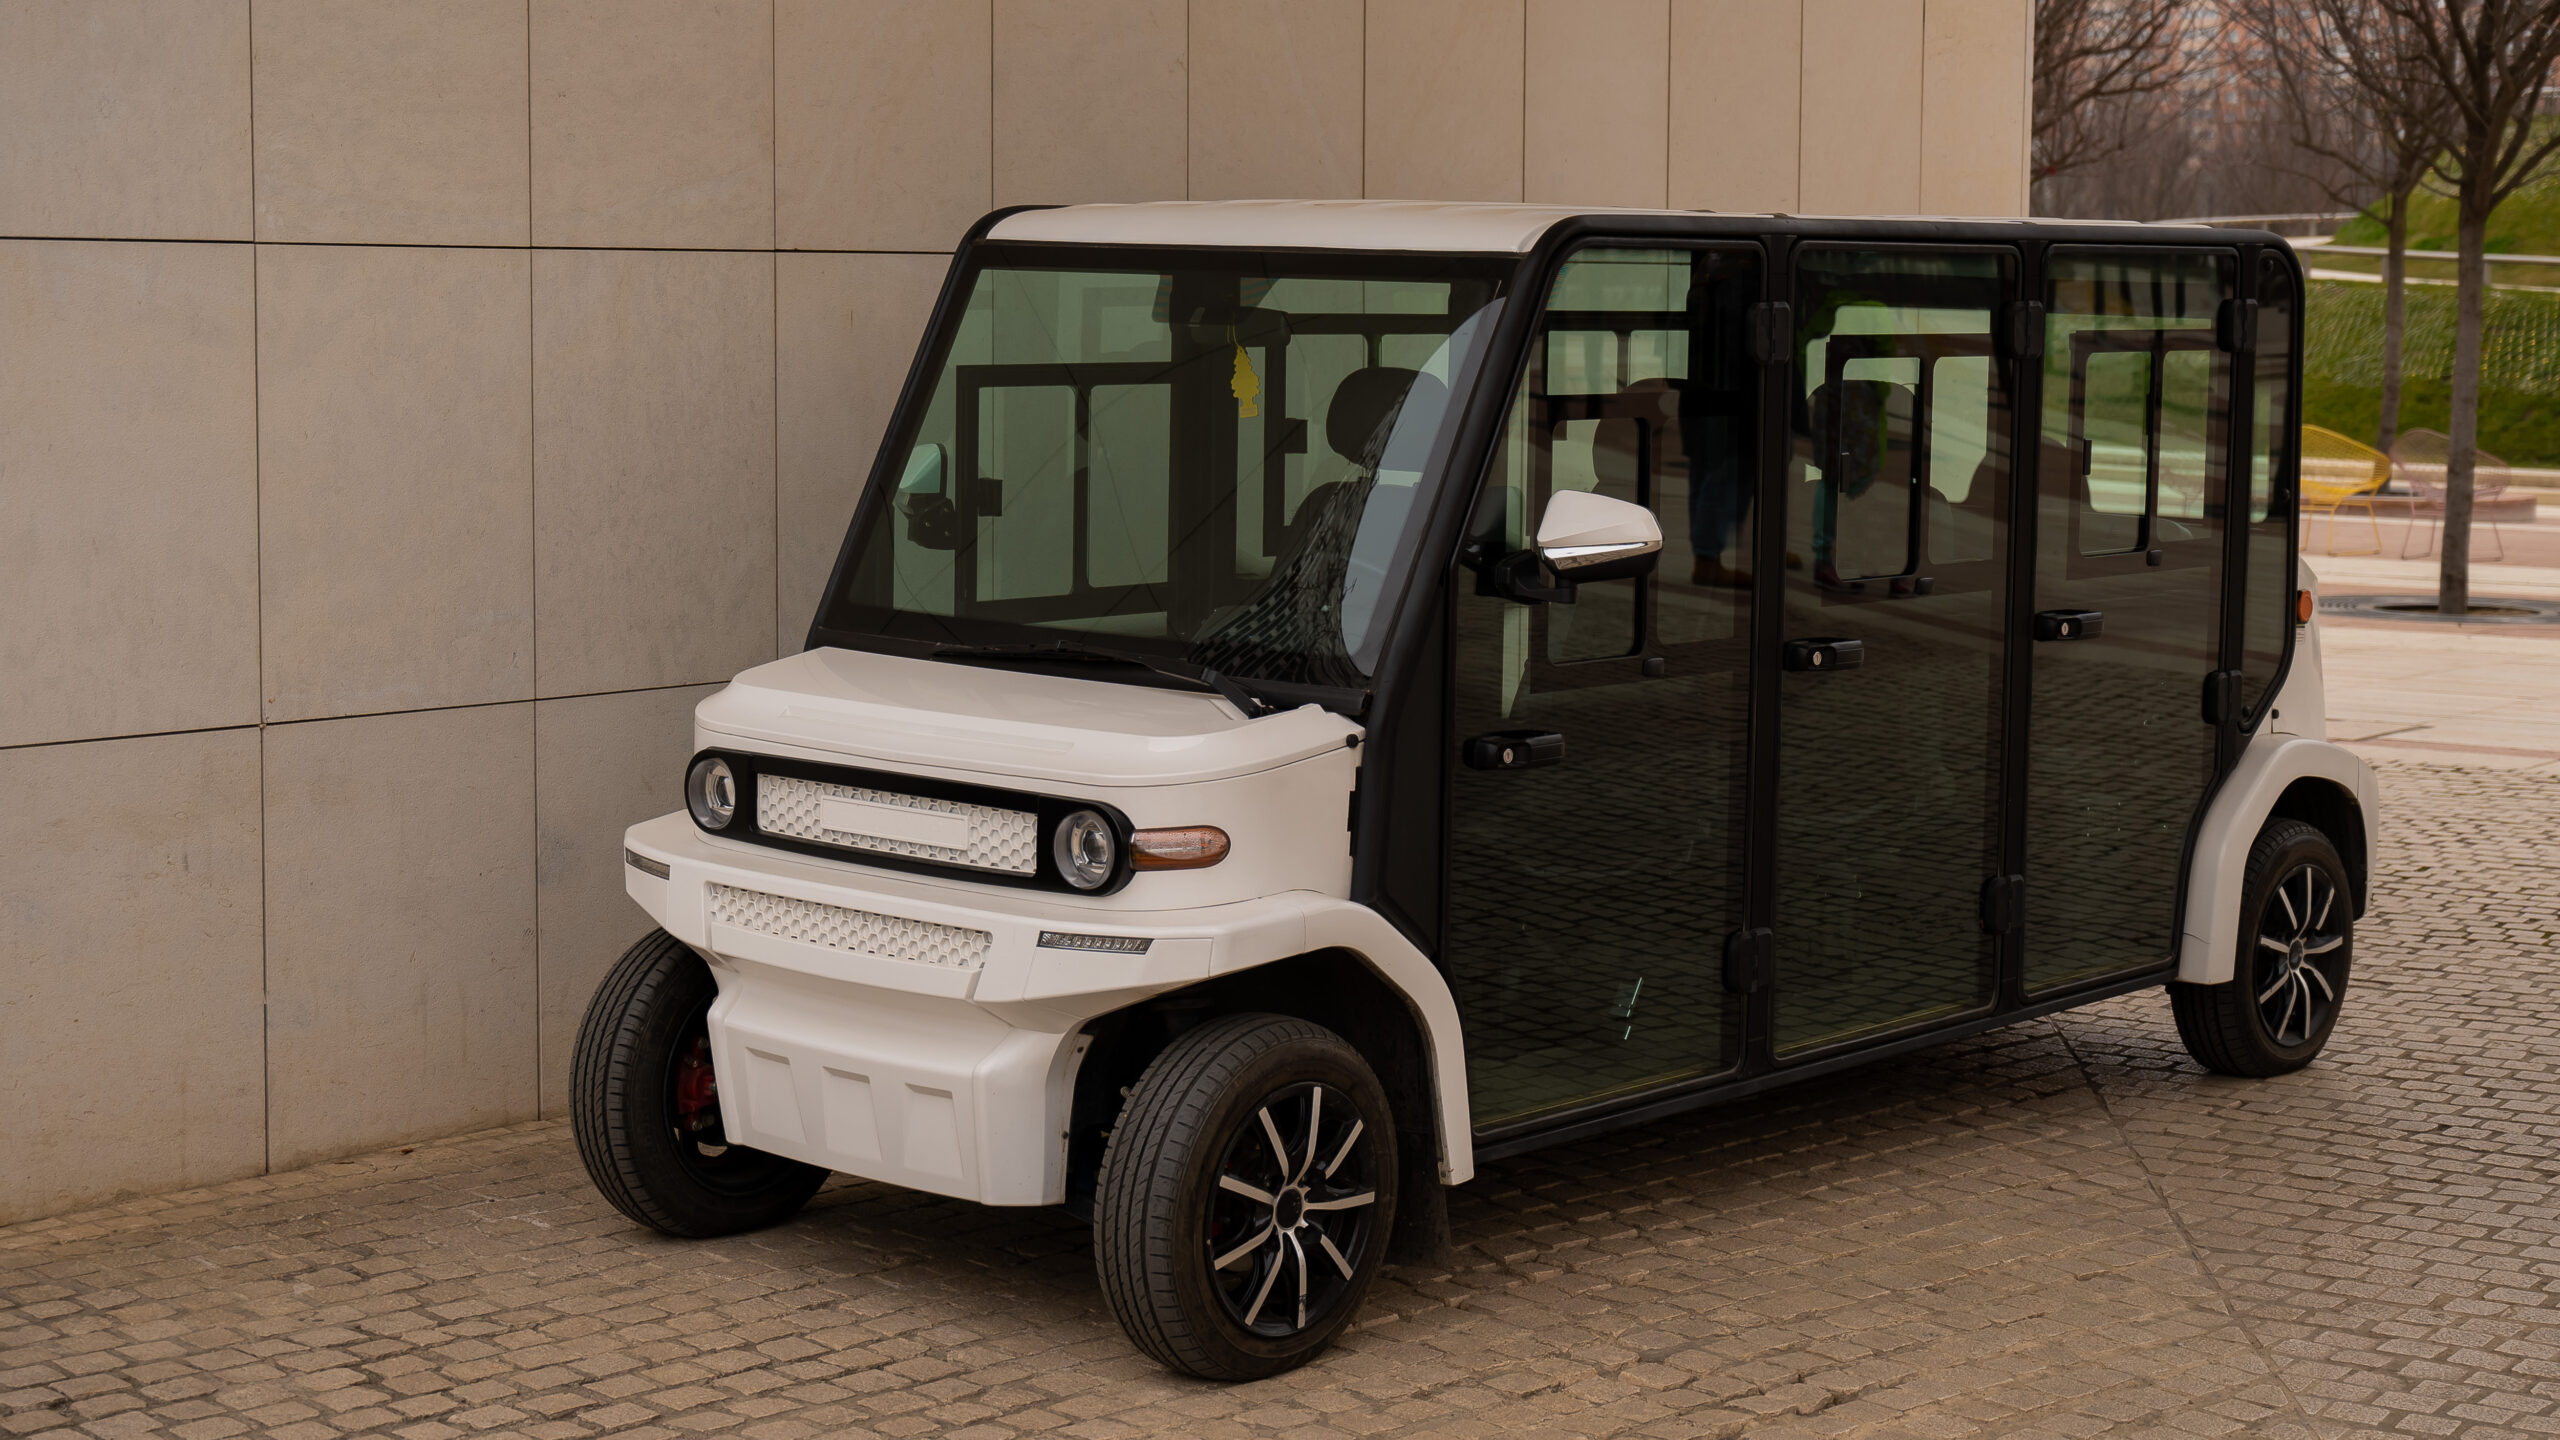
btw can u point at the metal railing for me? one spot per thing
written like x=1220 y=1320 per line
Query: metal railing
x=2303 y=223
x=2493 y=259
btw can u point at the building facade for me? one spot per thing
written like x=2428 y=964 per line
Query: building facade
x=409 y=408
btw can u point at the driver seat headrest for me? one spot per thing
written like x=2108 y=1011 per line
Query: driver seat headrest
x=1365 y=401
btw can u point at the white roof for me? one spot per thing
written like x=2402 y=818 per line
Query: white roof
x=1433 y=225
x=1302 y=224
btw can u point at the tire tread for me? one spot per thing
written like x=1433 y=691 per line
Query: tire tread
x=601 y=1069
x=1171 y=1101
x=2214 y=1021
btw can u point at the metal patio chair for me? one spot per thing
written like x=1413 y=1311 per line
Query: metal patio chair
x=2340 y=474
x=2419 y=458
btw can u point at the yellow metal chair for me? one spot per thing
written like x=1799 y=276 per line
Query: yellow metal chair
x=2340 y=474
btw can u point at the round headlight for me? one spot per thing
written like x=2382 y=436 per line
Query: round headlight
x=1086 y=850
x=711 y=793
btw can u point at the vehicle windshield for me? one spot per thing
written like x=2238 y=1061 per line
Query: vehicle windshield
x=1217 y=457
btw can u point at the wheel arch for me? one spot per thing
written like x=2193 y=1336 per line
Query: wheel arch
x=1335 y=986
x=2332 y=809
x=2289 y=777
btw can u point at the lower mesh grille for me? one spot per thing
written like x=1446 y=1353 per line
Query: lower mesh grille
x=953 y=947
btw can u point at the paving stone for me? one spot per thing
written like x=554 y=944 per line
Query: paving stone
x=2061 y=1229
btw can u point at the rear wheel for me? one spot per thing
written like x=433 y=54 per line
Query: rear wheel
x=1245 y=1198
x=2297 y=942
x=645 y=1105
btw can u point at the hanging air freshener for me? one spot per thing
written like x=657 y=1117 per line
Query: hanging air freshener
x=1246 y=386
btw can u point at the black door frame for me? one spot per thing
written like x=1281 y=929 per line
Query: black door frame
x=2019 y=346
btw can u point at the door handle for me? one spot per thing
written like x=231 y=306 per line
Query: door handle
x=1515 y=750
x=1823 y=654
x=2069 y=624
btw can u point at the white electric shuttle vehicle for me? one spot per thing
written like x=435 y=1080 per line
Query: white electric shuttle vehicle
x=1319 y=696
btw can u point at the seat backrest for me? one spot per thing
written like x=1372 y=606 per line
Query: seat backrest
x=2336 y=467
x=2421 y=457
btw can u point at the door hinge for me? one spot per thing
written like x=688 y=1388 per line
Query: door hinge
x=2004 y=904
x=2221 y=696
x=1750 y=960
x=1773 y=332
x=2022 y=330
x=2235 y=326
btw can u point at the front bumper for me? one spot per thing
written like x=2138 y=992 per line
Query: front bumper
x=912 y=1030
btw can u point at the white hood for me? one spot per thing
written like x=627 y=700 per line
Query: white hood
x=1007 y=723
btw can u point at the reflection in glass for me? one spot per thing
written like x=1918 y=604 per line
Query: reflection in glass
x=1588 y=902
x=2130 y=483
x=1896 y=536
x=1214 y=456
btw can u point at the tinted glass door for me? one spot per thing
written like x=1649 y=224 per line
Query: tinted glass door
x=2131 y=477
x=1896 y=553
x=1590 y=897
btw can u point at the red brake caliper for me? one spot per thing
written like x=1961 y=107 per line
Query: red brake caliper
x=697 y=1089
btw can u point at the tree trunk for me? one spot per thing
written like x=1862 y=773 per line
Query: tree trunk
x=2395 y=312
x=2453 y=579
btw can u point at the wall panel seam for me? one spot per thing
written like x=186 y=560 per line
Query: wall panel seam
x=533 y=548
x=129 y=735
x=258 y=610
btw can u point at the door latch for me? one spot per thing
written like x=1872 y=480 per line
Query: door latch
x=1515 y=750
x=2004 y=904
x=1750 y=960
x=1826 y=654
x=2069 y=624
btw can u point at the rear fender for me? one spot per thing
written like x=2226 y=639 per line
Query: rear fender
x=2276 y=774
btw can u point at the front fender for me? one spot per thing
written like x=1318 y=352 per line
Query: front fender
x=2209 y=946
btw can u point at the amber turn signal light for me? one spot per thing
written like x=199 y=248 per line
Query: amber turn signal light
x=1192 y=847
x=2303 y=605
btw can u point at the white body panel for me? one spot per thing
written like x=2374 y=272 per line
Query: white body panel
x=2290 y=745
x=1415 y=225
x=955 y=1075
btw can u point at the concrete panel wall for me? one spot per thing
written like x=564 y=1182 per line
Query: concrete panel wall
x=1597 y=128
x=128 y=463
x=1858 y=150
x=131 y=985
x=1736 y=88
x=386 y=480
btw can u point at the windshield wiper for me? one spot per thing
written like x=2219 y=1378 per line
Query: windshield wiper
x=1064 y=653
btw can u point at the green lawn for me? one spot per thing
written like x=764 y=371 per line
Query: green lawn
x=2520 y=369
x=2528 y=224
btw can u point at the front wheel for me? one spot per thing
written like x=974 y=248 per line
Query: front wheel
x=2297 y=940
x=644 y=1104
x=1245 y=1197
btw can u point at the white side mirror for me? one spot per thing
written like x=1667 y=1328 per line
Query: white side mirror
x=1587 y=536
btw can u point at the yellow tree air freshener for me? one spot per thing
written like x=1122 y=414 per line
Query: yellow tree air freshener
x=1245 y=386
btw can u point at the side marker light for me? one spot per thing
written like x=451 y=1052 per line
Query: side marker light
x=1190 y=847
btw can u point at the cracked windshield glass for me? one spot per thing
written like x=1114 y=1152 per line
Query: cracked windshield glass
x=1212 y=457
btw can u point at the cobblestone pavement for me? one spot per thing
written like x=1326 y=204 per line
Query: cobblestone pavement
x=2061 y=1229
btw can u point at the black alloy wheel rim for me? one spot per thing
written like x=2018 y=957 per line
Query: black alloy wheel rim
x=693 y=1111
x=1293 y=1212
x=2301 y=956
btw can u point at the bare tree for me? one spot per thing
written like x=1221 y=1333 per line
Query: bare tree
x=2095 y=61
x=2359 y=144
x=2490 y=61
